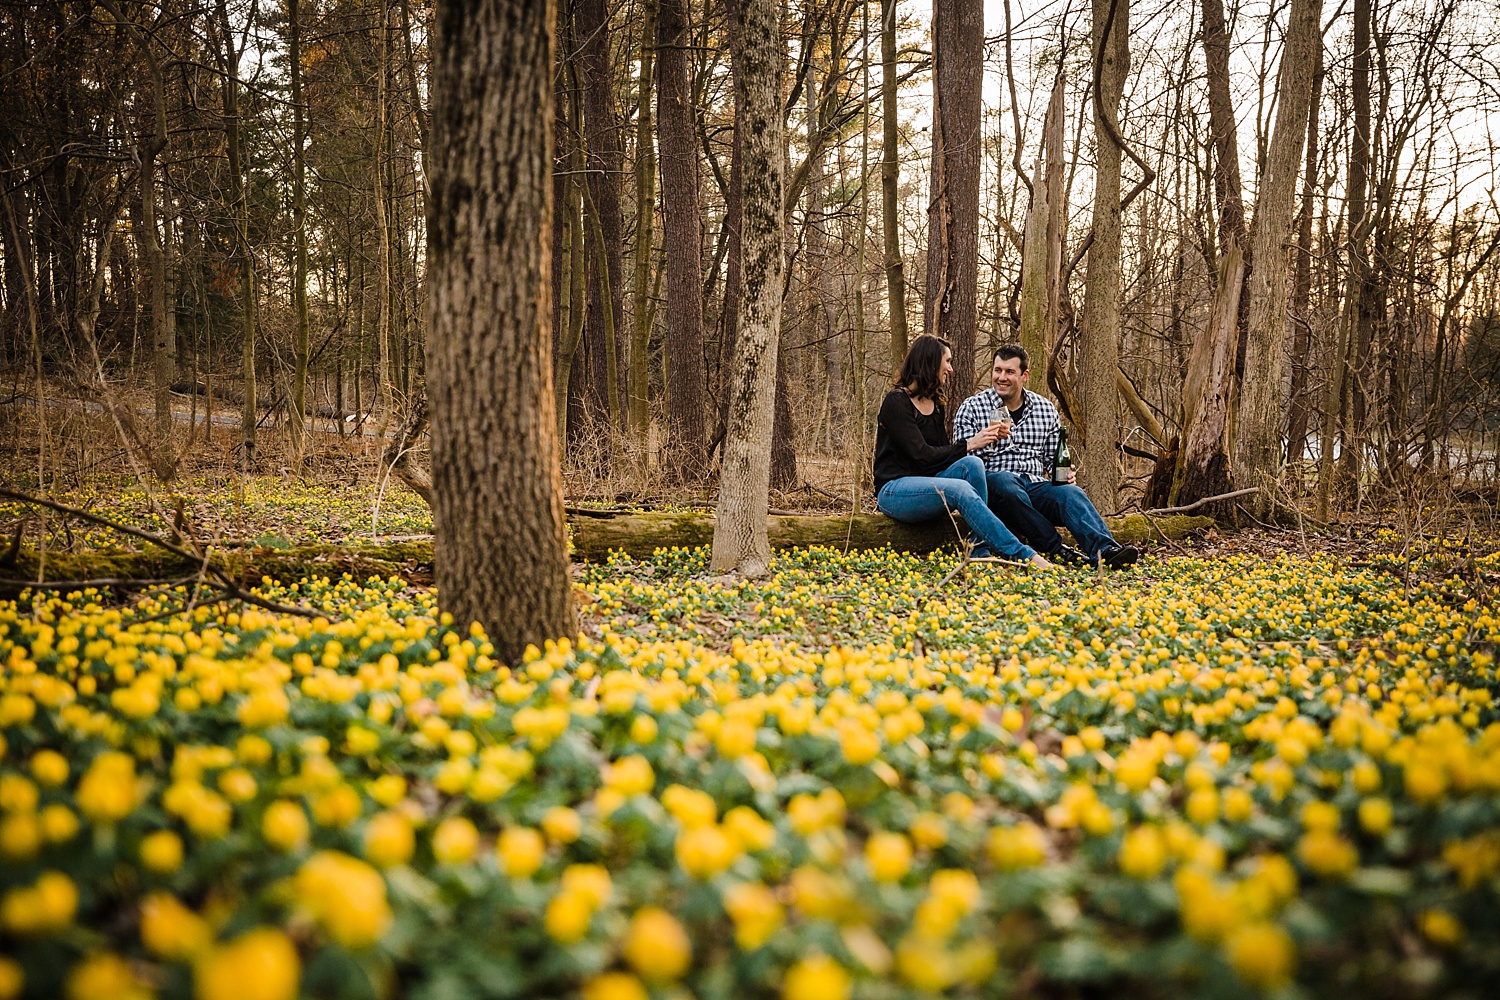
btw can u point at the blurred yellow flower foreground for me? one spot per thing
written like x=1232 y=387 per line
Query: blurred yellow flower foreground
x=1217 y=778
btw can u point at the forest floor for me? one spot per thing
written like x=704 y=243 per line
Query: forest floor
x=1262 y=762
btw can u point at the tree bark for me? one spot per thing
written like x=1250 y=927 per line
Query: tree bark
x=951 y=307
x=638 y=408
x=1041 y=256
x=240 y=206
x=890 y=178
x=1262 y=400
x=1203 y=464
x=682 y=236
x=1099 y=473
x=1301 y=406
x=602 y=137
x=500 y=544
x=300 y=336
x=740 y=542
x=1356 y=302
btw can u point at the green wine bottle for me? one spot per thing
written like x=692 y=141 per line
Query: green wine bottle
x=1062 y=463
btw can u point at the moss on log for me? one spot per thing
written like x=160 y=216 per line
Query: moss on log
x=594 y=537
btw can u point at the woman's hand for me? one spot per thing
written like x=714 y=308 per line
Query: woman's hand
x=984 y=438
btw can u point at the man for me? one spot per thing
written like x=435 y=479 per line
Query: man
x=1019 y=468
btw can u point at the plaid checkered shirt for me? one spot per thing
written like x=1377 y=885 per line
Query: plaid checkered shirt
x=1032 y=445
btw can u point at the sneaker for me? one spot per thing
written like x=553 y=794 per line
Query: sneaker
x=1069 y=556
x=1120 y=556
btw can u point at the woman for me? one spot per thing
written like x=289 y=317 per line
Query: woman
x=919 y=473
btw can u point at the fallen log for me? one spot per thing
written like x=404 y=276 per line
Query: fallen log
x=593 y=538
x=639 y=535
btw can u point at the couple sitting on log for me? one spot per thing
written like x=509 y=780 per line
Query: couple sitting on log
x=1000 y=470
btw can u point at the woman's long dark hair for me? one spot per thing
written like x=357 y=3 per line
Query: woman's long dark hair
x=922 y=372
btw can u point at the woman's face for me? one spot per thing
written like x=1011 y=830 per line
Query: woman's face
x=947 y=367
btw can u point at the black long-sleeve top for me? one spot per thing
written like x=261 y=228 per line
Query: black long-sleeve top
x=908 y=443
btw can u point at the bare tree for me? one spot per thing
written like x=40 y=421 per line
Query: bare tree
x=740 y=541
x=501 y=548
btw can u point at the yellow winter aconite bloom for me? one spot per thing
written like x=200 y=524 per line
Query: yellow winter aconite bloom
x=1441 y=928
x=107 y=792
x=1143 y=852
x=161 y=852
x=756 y=912
x=816 y=977
x=889 y=856
x=568 y=915
x=521 y=851
x=615 y=986
x=455 y=841
x=346 y=896
x=285 y=825
x=1263 y=955
x=656 y=945
x=171 y=930
x=561 y=825
x=12 y=978
x=389 y=839
x=261 y=964
x=1020 y=846
x=41 y=909
x=105 y=976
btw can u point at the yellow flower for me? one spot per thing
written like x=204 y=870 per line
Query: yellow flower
x=41 y=909
x=656 y=946
x=388 y=789
x=756 y=912
x=614 y=986
x=592 y=881
x=692 y=807
x=858 y=744
x=20 y=837
x=1239 y=806
x=816 y=977
x=261 y=964
x=161 y=852
x=1143 y=853
x=285 y=826
x=561 y=825
x=172 y=931
x=929 y=830
x=1327 y=854
x=389 y=839
x=1013 y=847
x=1441 y=928
x=108 y=791
x=1320 y=816
x=630 y=776
x=567 y=917
x=925 y=963
x=105 y=976
x=705 y=851
x=1263 y=955
x=746 y=827
x=736 y=737
x=888 y=856
x=49 y=768
x=347 y=897
x=12 y=976
x=455 y=841
x=1202 y=806
x=643 y=729
x=1375 y=816
x=521 y=851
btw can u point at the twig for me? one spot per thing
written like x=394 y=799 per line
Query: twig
x=1199 y=503
x=226 y=582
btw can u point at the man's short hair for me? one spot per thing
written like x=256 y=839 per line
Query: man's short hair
x=1006 y=352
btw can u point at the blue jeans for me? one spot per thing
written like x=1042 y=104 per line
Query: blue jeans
x=1031 y=509
x=960 y=487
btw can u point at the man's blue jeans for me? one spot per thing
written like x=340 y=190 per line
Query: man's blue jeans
x=960 y=487
x=1031 y=509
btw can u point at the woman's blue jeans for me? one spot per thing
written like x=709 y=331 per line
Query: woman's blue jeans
x=960 y=487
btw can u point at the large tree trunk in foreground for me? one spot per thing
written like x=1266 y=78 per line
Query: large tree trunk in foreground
x=1099 y=474
x=1262 y=402
x=952 y=299
x=740 y=542
x=501 y=554
x=682 y=237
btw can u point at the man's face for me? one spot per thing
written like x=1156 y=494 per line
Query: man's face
x=1008 y=378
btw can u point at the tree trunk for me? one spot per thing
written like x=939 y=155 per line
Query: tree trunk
x=300 y=336
x=638 y=409
x=1357 y=302
x=385 y=392
x=229 y=58
x=1041 y=256
x=740 y=542
x=890 y=178
x=1262 y=400
x=602 y=137
x=500 y=545
x=682 y=237
x=574 y=268
x=951 y=307
x=1099 y=474
x=1301 y=408
x=1203 y=464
